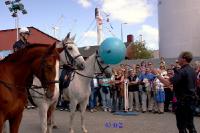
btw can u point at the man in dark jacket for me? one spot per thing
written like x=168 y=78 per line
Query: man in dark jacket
x=184 y=87
x=23 y=34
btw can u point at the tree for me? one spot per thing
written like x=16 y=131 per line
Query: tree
x=137 y=50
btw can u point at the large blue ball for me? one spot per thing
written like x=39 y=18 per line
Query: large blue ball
x=112 y=51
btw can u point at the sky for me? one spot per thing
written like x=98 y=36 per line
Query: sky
x=137 y=17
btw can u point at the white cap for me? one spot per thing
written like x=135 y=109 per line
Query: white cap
x=24 y=30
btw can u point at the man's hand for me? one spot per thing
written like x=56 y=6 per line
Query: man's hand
x=155 y=71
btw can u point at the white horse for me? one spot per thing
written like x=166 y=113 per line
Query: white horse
x=79 y=88
x=71 y=56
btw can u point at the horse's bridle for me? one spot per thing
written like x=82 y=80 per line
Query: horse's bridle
x=45 y=83
x=102 y=69
x=70 y=60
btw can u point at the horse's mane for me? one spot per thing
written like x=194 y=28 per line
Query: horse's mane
x=20 y=53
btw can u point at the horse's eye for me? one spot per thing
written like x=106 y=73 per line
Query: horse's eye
x=69 y=48
x=49 y=67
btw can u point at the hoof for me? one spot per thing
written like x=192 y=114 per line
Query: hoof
x=71 y=131
x=85 y=131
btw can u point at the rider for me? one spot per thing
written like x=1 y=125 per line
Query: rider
x=23 y=41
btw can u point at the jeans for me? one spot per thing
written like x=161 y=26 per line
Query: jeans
x=106 y=100
x=115 y=100
x=92 y=98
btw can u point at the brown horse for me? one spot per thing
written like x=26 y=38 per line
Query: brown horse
x=16 y=70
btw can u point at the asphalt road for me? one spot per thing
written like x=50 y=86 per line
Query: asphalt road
x=105 y=122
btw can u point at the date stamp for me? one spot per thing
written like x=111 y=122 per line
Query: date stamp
x=110 y=124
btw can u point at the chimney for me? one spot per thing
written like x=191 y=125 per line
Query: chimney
x=130 y=38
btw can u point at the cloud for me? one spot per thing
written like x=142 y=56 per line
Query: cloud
x=130 y=11
x=89 y=39
x=85 y=3
x=90 y=34
x=150 y=35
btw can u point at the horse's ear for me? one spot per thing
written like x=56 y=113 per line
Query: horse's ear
x=67 y=37
x=60 y=49
x=51 y=49
x=73 y=38
x=55 y=43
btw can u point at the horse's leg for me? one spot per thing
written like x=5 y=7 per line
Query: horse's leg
x=43 y=117
x=1 y=123
x=50 y=118
x=73 y=105
x=5 y=126
x=83 y=106
x=15 y=122
x=53 y=117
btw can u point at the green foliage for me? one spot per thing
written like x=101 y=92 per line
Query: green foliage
x=140 y=51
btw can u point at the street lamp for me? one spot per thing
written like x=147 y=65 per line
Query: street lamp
x=122 y=30
x=14 y=7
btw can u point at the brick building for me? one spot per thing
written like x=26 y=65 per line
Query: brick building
x=8 y=38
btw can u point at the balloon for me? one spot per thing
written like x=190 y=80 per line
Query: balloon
x=112 y=51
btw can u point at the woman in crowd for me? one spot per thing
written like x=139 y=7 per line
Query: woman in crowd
x=117 y=101
x=159 y=97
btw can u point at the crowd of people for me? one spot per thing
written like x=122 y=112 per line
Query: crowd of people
x=145 y=91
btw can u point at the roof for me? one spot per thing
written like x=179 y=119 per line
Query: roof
x=8 y=38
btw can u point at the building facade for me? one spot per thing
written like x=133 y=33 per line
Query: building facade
x=179 y=27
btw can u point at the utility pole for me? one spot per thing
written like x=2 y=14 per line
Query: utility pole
x=141 y=39
x=99 y=21
x=122 y=34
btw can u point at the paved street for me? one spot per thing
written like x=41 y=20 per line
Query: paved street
x=98 y=122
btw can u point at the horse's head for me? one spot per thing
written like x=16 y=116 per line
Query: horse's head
x=46 y=68
x=71 y=55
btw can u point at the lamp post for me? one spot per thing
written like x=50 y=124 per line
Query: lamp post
x=14 y=7
x=122 y=31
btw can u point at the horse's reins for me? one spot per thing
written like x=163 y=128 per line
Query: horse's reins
x=99 y=65
x=9 y=86
x=35 y=88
